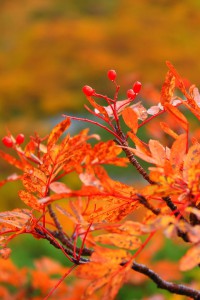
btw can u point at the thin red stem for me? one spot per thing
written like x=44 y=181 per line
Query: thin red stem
x=60 y=281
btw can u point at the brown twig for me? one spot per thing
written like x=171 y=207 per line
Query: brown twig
x=62 y=237
x=122 y=141
x=177 y=214
x=174 y=288
x=143 y=201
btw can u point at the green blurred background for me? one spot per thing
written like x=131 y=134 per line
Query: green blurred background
x=49 y=49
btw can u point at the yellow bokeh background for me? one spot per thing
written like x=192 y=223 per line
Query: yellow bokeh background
x=49 y=49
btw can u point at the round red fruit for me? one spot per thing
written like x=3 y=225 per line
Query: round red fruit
x=88 y=90
x=137 y=87
x=20 y=138
x=112 y=75
x=7 y=141
x=131 y=94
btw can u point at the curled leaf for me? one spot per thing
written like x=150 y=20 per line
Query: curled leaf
x=168 y=88
x=57 y=132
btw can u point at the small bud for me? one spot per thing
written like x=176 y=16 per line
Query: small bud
x=131 y=94
x=20 y=139
x=88 y=90
x=7 y=141
x=112 y=75
x=137 y=87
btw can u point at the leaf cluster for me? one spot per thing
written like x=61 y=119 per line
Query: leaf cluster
x=109 y=230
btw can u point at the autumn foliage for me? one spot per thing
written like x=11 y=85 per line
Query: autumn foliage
x=109 y=231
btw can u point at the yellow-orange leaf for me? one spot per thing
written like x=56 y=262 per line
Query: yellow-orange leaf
x=57 y=132
x=113 y=211
x=191 y=259
x=131 y=228
x=93 y=286
x=130 y=118
x=119 y=240
x=159 y=223
x=92 y=270
x=116 y=281
x=111 y=256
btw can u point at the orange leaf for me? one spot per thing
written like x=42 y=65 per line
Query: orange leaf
x=59 y=187
x=143 y=156
x=178 y=78
x=5 y=253
x=99 y=108
x=139 y=144
x=57 y=132
x=191 y=259
x=130 y=118
x=193 y=107
x=30 y=200
x=178 y=151
x=192 y=160
x=12 y=177
x=105 y=270
x=158 y=152
x=140 y=110
x=168 y=88
x=165 y=127
x=177 y=115
x=34 y=180
x=15 y=219
x=11 y=160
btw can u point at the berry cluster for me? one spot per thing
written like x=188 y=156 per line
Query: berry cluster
x=131 y=93
x=9 y=142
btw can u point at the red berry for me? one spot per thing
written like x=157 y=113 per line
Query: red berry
x=137 y=87
x=7 y=141
x=20 y=139
x=112 y=75
x=131 y=94
x=88 y=90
